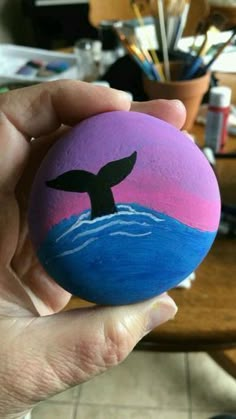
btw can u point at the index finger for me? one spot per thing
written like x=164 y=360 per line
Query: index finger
x=38 y=110
x=172 y=111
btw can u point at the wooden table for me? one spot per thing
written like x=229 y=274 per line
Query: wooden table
x=206 y=320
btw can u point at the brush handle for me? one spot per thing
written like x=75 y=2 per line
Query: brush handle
x=208 y=65
x=182 y=24
x=145 y=67
x=190 y=70
x=154 y=71
x=139 y=57
x=219 y=52
x=160 y=7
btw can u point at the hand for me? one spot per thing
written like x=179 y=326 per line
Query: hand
x=41 y=352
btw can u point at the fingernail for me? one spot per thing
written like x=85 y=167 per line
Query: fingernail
x=177 y=102
x=162 y=309
x=124 y=95
x=178 y=105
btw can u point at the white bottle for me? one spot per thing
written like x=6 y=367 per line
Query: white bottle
x=217 y=117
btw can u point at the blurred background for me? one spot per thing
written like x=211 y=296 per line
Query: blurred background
x=43 y=23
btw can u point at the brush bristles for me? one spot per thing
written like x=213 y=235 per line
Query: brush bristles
x=171 y=7
x=174 y=8
x=216 y=19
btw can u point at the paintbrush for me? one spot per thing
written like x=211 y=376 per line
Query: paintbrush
x=182 y=24
x=199 y=30
x=219 y=51
x=173 y=11
x=139 y=17
x=211 y=27
x=170 y=19
x=133 y=39
x=152 y=51
x=215 y=24
x=128 y=31
x=125 y=31
x=163 y=38
x=171 y=7
x=147 y=67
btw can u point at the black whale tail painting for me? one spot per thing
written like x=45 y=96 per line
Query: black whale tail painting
x=97 y=186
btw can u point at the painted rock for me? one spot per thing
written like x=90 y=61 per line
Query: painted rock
x=123 y=208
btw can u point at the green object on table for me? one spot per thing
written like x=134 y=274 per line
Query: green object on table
x=4 y=89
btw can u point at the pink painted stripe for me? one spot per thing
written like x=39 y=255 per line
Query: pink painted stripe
x=198 y=212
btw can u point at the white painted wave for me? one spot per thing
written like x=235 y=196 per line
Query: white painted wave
x=124 y=233
x=125 y=210
x=76 y=249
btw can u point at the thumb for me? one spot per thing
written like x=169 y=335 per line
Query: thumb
x=79 y=344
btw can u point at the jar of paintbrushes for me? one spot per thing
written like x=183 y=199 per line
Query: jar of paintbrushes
x=167 y=74
x=190 y=92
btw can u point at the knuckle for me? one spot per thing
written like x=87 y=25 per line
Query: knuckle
x=118 y=343
x=106 y=348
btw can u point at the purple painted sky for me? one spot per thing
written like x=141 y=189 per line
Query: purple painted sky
x=171 y=174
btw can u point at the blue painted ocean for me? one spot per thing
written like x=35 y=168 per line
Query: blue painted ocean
x=125 y=257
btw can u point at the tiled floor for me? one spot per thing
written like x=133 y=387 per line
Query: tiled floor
x=149 y=386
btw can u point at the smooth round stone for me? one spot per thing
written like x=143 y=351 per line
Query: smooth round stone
x=123 y=208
